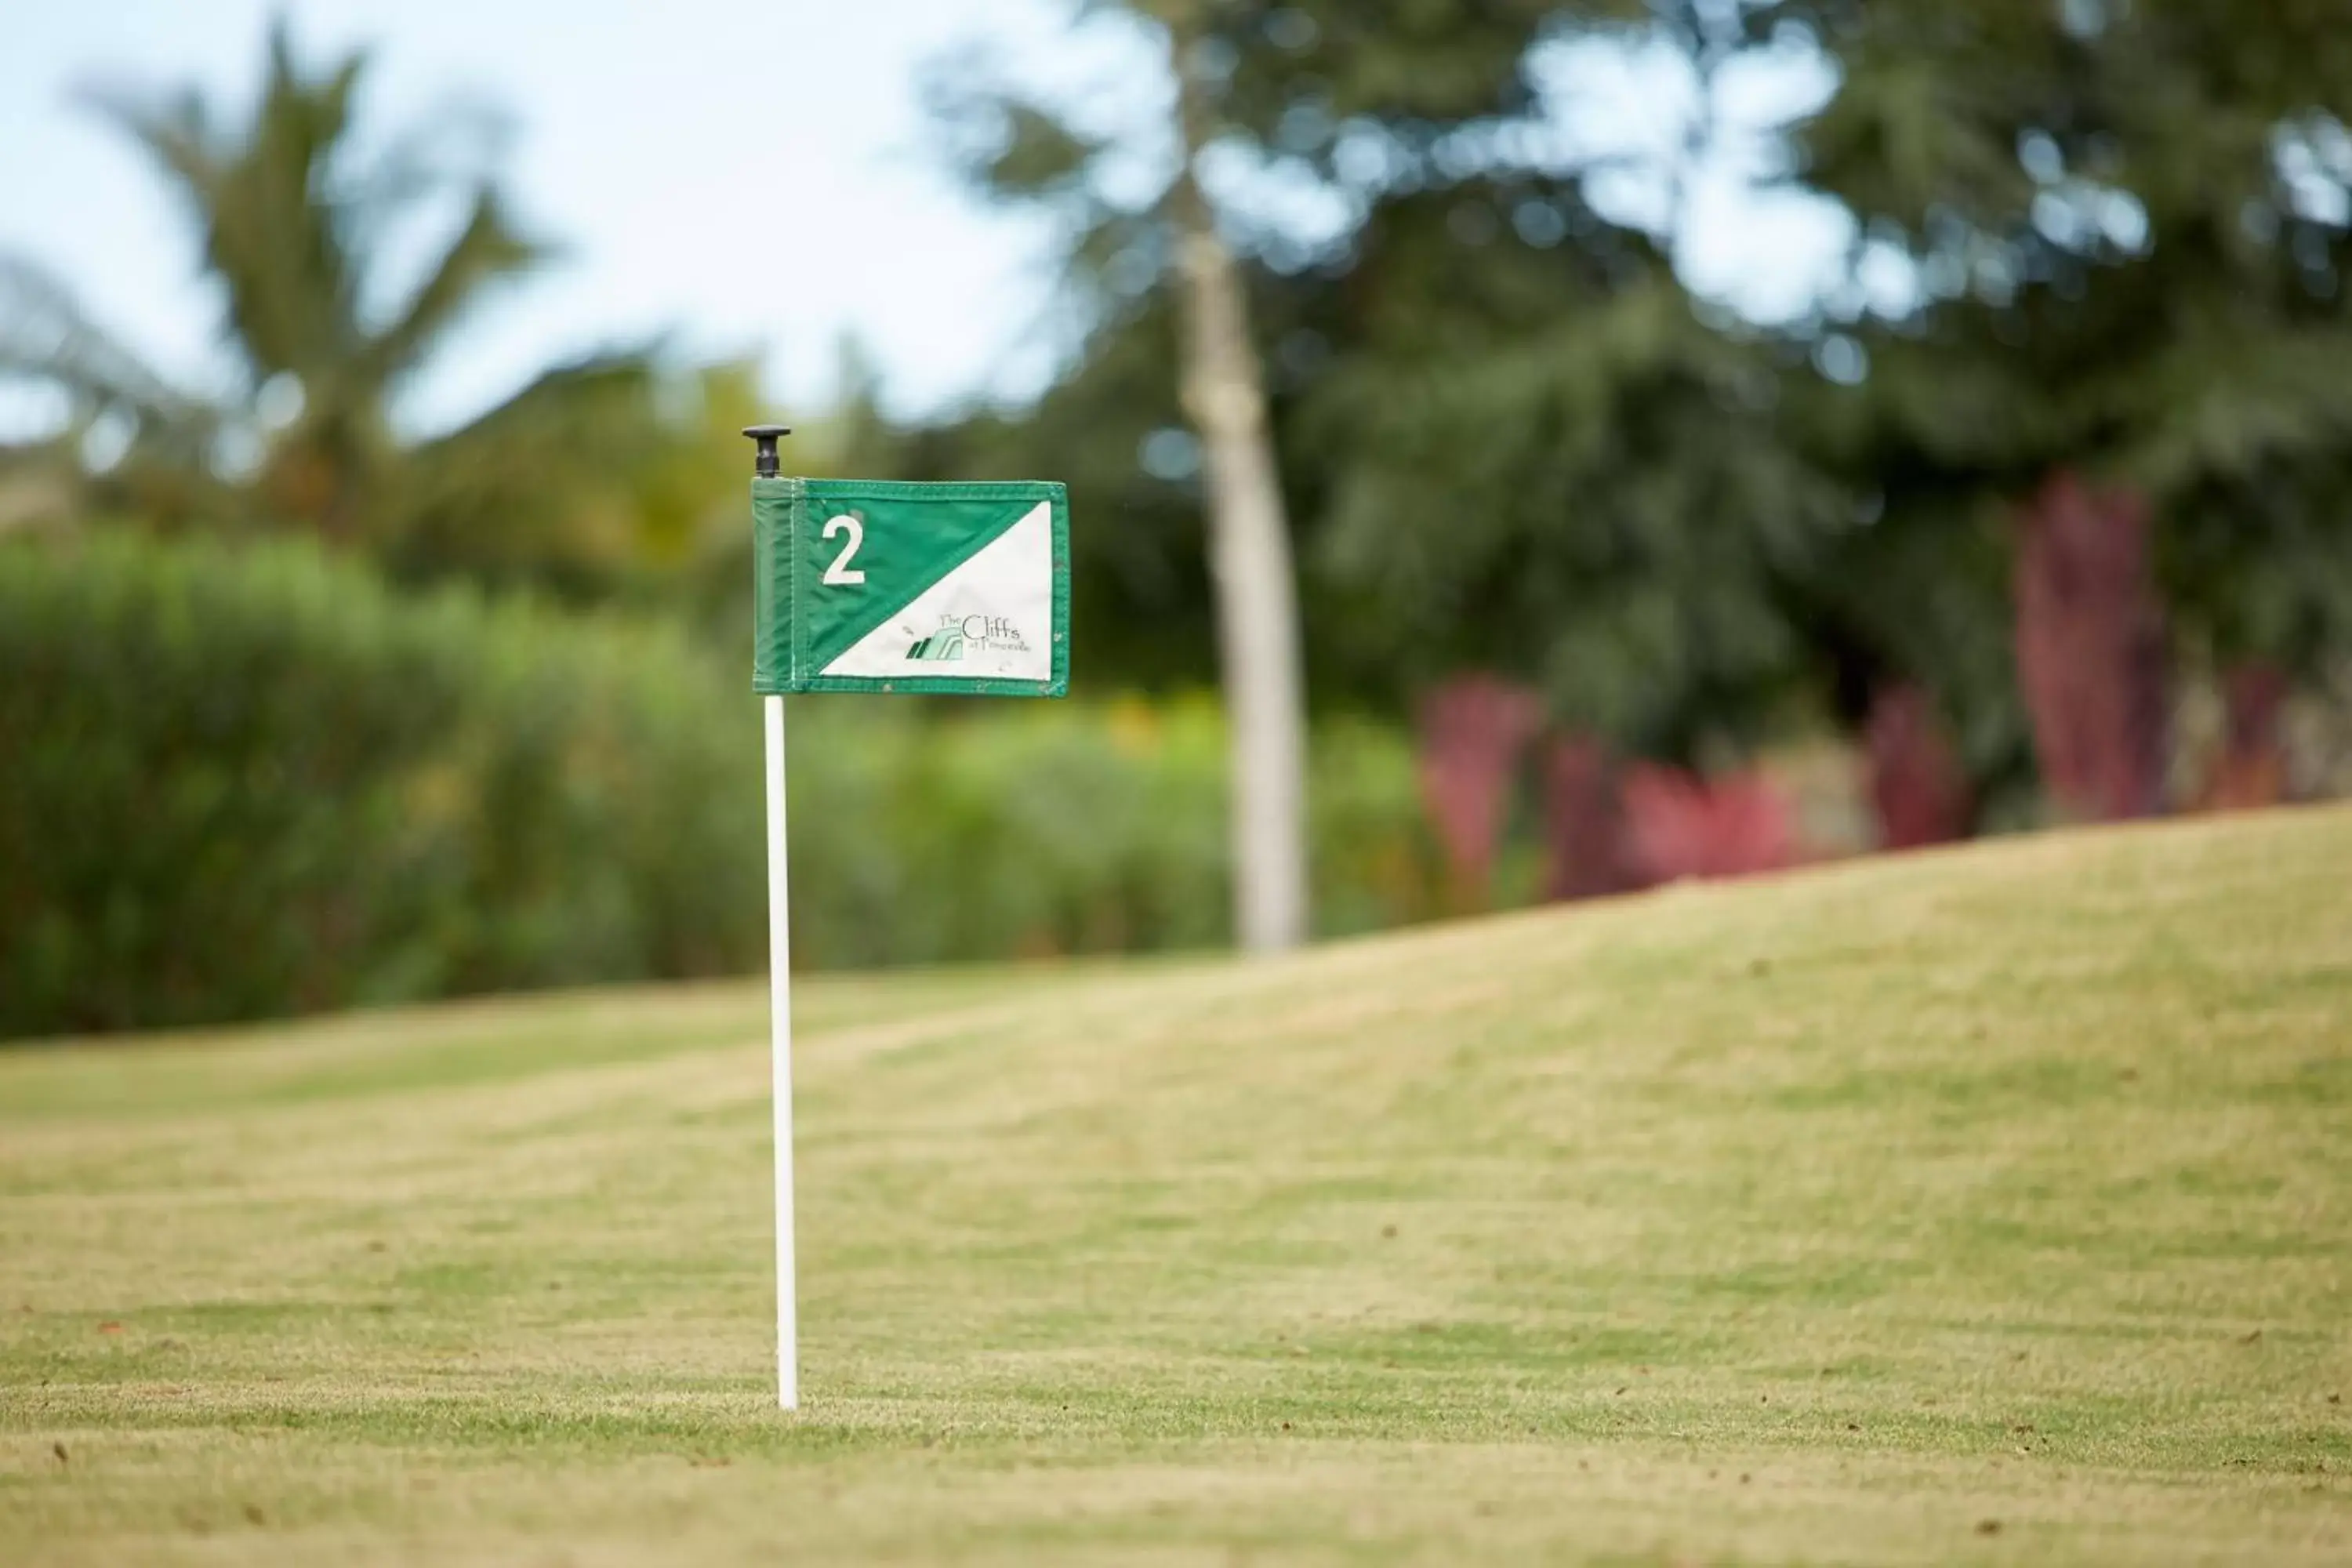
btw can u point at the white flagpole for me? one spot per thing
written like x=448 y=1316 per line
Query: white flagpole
x=780 y=1045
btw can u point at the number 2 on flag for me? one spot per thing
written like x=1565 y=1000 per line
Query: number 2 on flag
x=841 y=570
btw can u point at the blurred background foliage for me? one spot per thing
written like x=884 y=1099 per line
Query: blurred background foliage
x=2043 y=511
x=251 y=779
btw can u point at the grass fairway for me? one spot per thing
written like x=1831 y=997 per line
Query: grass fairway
x=1978 y=1206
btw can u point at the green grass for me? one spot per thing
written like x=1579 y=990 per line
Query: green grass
x=1991 y=1206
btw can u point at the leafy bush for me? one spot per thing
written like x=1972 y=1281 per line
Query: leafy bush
x=1018 y=829
x=241 y=782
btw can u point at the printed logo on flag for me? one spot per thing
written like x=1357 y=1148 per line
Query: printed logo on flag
x=980 y=634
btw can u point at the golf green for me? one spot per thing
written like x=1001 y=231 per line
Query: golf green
x=1985 y=1205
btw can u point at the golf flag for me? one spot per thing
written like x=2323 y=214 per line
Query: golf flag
x=873 y=586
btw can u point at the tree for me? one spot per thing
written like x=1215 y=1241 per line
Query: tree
x=1026 y=152
x=296 y=232
x=1510 y=440
x=1223 y=395
x=2127 y=230
x=1546 y=460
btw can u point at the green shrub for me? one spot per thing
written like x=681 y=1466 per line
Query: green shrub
x=1012 y=829
x=242 y=781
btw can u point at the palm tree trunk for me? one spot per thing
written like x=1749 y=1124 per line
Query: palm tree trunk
x=1224 y=395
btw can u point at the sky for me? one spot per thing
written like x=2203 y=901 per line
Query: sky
x=744 y=177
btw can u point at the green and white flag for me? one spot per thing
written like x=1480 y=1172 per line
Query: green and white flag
x=872 y=585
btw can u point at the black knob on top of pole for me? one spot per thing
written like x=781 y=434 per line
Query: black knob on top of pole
x=764 y=461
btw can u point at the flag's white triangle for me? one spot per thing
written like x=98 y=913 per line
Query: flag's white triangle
x=990 y=618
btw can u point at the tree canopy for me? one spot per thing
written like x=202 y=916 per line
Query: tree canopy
x=2090 y=237
x=591 y=468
